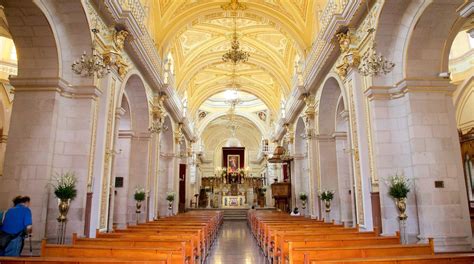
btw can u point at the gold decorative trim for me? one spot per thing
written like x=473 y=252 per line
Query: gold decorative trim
x=107 y=157
x=90 y=169
x=356 y=161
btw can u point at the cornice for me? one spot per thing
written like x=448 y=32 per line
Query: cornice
x=412 y=85
x=126 y=134
x=324 y=138
x=58 y=85
x=339 y=135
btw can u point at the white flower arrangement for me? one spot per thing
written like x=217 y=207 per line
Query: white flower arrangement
x=170 y=196
x=139 y=194
x=326 y=195
x=303 y=196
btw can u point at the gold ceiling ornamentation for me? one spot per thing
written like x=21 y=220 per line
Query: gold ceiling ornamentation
x=234 y=6
x=235 y=54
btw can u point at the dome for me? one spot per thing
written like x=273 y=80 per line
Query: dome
x=233 y=142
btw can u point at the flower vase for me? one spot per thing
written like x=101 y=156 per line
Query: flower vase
x=63 y=206
x=138 y=207
x=327 y=204
x=303 y=204
x=170 y=207
x=401 y=204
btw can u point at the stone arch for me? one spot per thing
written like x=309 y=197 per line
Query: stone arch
x=334 y=166
x=41 y=29
x=431 y=38
x=134 y=110
x=416 y=36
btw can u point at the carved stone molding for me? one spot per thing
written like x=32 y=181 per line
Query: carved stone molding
x=54 y=84
x=435 y=85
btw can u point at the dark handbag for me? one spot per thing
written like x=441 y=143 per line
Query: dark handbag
x=5 y=239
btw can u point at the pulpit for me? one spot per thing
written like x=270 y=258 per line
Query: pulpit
x=281 y=192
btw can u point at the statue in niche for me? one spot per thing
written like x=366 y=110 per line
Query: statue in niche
x=262 y=115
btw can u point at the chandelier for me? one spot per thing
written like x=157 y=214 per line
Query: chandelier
x=90 y=65
x=235 y=54
x=374 y=64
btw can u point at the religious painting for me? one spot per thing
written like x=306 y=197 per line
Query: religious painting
x=233 y=162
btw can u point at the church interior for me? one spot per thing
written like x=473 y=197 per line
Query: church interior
x=238 y=131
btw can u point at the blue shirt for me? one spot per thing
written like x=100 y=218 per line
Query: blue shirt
x=16 y=219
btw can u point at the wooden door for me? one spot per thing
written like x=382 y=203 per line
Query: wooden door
x=182 y=188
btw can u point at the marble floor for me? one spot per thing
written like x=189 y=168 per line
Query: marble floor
x=235 y=245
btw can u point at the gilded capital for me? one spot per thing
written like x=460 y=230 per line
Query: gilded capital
x=158 y=114
x=350 y=57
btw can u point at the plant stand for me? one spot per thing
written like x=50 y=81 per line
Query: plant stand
x=61 y=232
x=403 y=231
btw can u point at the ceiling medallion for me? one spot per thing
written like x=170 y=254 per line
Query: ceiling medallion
x=235 y=54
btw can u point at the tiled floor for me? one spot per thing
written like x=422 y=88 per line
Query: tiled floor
x=235 y=245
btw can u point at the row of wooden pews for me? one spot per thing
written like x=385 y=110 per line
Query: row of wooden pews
x=289 y=239
x=184 y=239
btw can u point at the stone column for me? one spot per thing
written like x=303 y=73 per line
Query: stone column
x=112 y=153
x=158 y=115
x=359 y=138
x=427 y=139
x=309 y=117
x=344 y=178
x=50 y=132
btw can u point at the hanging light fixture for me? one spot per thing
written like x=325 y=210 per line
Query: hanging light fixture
x=373 y=63
x=235 y=54
x=88 y=66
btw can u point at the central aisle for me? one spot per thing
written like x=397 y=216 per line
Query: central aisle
x=235 y=245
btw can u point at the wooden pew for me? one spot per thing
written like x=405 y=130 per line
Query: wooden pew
x=69 y=260
x=170 y=254
x=311 y=242
x=304 y=254
x=425 y=259
x=191 y=250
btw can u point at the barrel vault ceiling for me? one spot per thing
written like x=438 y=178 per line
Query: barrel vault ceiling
x=197 y=32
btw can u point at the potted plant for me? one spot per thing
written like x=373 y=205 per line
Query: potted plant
x=326 y=196
x=398 y=189
x=139 y=197
x=303 y=198
x=65 y=190
x=170 y=198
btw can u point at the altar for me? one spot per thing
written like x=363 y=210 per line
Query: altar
x=230 y=201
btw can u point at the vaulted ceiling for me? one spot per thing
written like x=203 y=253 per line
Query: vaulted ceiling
x=198 y=32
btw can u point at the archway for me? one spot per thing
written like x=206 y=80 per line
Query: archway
x=300 y=176
x=132 y=150
x=167 y=168
x=334 y=166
